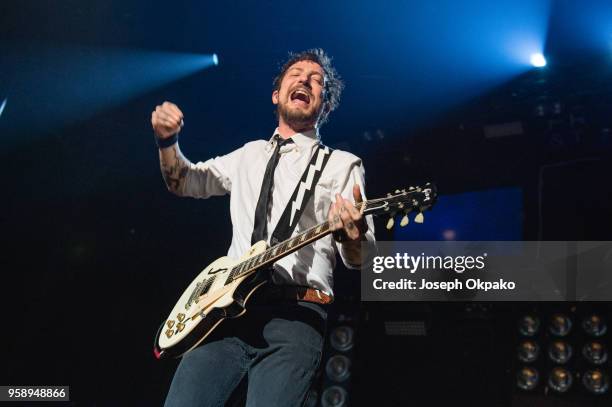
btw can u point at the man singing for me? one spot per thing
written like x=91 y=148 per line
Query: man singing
x=276 y=347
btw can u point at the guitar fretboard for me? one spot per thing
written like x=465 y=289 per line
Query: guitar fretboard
x=403 y=200
x=283 y=249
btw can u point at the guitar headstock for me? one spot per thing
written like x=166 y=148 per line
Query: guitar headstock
x=413 y=199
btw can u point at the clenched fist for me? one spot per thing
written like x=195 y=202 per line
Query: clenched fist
x=167 y=119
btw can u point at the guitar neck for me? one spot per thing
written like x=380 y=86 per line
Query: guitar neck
x=404 y=201
x=284 y=248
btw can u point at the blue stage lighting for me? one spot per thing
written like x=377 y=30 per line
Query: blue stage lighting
x=2 y=106
x=88 y=80
x=538 y=60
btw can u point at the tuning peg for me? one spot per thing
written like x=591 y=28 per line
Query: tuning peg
x=391 y=220
x=419 y=218
x=404 y=221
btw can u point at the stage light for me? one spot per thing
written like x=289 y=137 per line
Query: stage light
x=538 y=60
x=594 y=325
x=560 y=325
x=595 y=353
x=527 y=378
x=528 y=351
x=341 y=338
x=89 y=80
x=560 y=352
x=529 y=325
x=334 y=396
x=2 y=106
x=596 y=381
x=338 y=368
x=560 y=379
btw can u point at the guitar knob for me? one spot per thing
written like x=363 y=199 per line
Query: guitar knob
x=404 y=221
x=169 y=333
x=390 y=223
x=180 y=326
x=180 y=317
x=170 y=324
x=419 y=218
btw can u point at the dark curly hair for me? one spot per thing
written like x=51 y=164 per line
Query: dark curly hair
x=333 y=83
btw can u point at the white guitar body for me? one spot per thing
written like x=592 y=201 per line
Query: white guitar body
x=207 y=301
x=222 y=289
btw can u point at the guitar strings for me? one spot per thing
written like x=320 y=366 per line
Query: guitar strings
x=294 y=243
x=252 y=263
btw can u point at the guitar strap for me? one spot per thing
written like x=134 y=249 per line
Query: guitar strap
x=301 y=195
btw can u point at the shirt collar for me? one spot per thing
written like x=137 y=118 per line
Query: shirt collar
x=301 y=140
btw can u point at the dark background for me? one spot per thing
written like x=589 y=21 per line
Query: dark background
x=95 y=250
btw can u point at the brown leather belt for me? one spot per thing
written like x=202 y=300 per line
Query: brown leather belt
x=289 y=292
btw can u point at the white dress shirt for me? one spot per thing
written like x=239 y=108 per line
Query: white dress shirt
x=240 y=173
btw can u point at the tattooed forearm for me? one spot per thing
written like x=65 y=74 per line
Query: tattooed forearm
x=352 y=250
x=174 y=168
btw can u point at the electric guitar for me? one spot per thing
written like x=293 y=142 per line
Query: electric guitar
x=222 y=289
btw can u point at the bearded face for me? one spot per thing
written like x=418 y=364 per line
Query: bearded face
x=299 y=99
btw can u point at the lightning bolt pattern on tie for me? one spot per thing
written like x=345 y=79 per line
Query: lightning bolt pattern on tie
x=304 y=186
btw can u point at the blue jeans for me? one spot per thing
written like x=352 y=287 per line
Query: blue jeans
x=277 y=346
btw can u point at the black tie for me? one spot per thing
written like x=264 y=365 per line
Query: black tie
x=260 y=228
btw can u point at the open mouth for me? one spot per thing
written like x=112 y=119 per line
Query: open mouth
x=300 y=96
